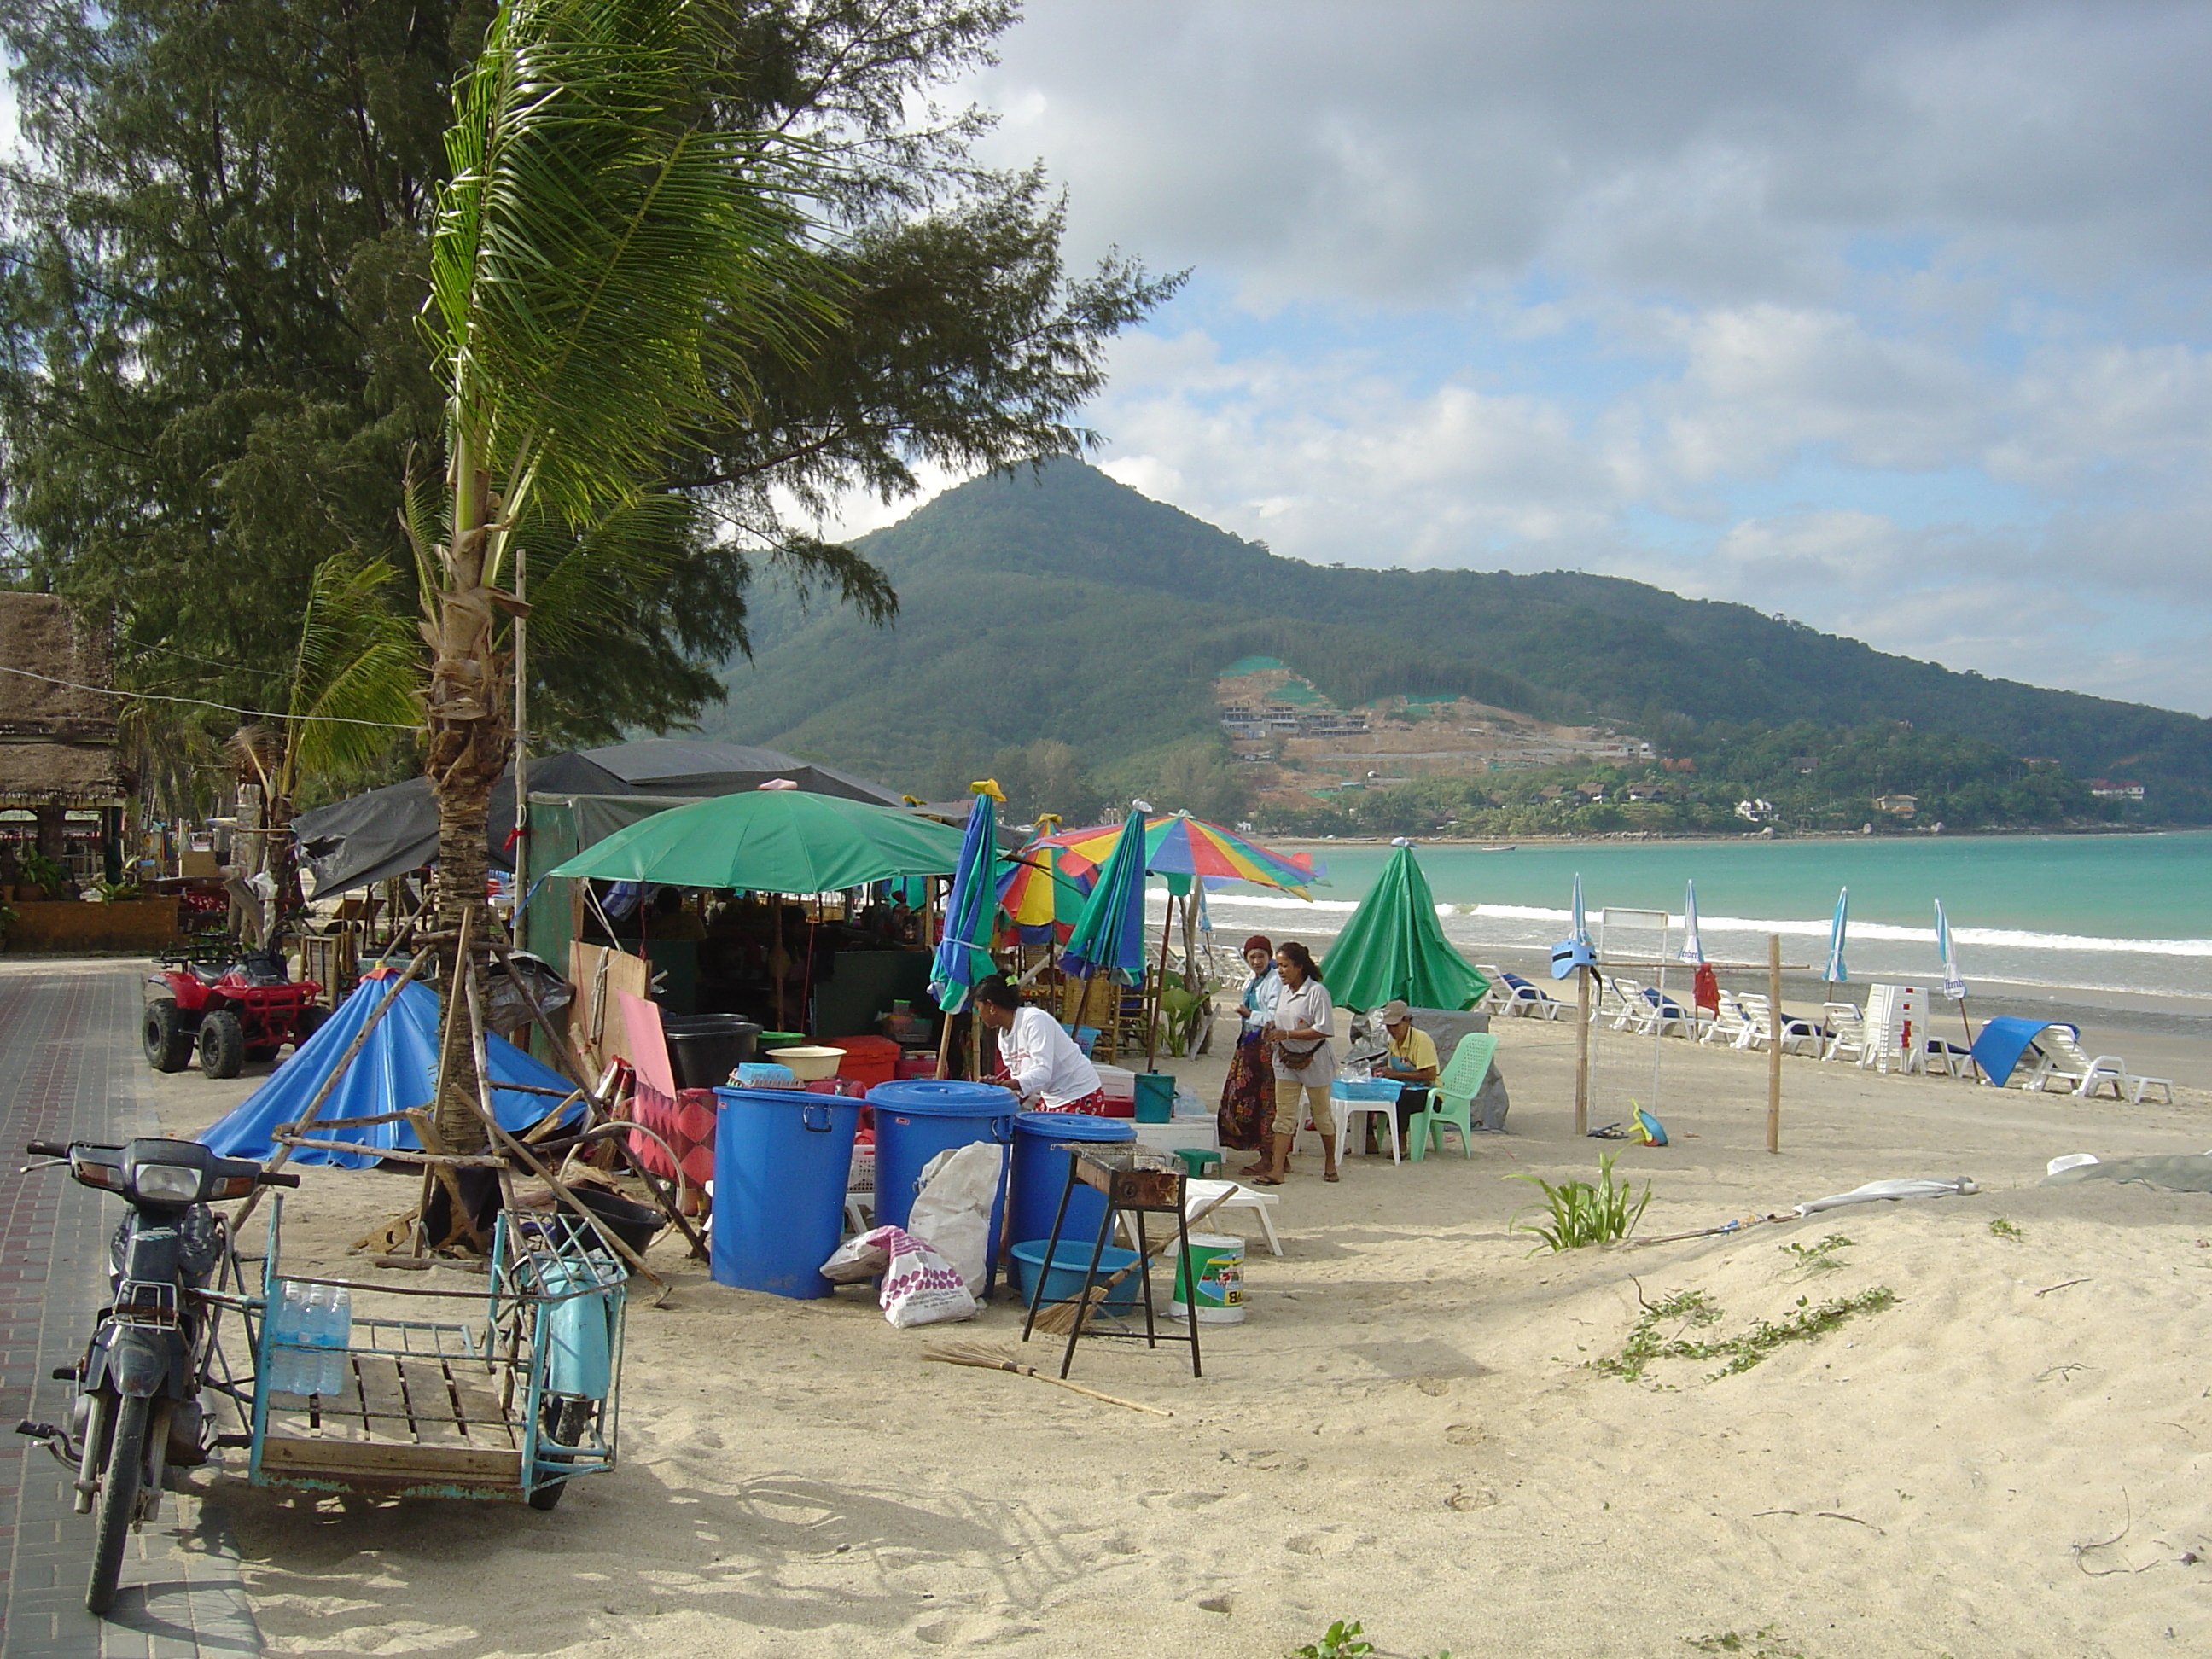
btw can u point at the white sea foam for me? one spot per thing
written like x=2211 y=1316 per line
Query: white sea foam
x=1816 y=927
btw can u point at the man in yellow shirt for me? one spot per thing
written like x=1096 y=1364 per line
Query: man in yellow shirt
x=1412 y=1061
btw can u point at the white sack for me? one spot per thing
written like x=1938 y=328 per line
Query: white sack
x=952 y=1215
x=920 y=1287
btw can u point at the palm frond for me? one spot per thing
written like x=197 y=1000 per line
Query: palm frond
x=357 y=673
x=595 y=241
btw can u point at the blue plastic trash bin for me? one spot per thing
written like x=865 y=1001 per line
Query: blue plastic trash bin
x=781 y=1160
x=921 y=1117
x=1040 y=1173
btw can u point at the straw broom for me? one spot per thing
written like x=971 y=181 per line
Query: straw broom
x=990 y=1359
x=1060 y=1317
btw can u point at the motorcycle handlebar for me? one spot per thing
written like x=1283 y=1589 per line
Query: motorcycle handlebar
x=47 y=1149
x=279 y=1178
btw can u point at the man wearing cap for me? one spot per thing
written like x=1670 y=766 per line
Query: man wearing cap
x=1411 y=1062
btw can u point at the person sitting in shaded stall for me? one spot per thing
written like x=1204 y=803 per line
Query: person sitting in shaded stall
x=1410 y=1061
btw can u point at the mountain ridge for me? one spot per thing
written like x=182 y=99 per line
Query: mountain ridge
x=1065 y=604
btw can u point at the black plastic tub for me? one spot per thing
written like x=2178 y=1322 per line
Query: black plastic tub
x=636 y=1225
x=705 y=1048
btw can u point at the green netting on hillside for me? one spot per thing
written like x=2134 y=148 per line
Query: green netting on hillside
x=1297 y=692
x=1244 y=665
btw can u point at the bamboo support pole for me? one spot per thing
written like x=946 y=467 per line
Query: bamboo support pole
x=278 y=1159
x=1774 y=1048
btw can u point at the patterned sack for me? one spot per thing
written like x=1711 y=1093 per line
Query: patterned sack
x=920 y=1287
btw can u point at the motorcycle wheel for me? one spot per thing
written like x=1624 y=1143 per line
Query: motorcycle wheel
x=118 y=1501
x=222 y=1043
x=565 y=1423
x=168 y=1046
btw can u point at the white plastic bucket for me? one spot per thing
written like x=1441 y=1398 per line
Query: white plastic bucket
x=1216 y=1261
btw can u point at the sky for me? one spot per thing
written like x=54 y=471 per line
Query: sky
x=1893 y=318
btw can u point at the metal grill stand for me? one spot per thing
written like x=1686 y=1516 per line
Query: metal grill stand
x=1137 y=1181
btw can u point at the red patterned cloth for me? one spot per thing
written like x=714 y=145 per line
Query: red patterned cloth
x=686 y=1123
x=1094 y=1104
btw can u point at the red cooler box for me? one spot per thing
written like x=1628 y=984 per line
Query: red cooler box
x=1121 y=1086
x=868 y=1060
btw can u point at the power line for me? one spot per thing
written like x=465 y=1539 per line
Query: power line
x=201 y=702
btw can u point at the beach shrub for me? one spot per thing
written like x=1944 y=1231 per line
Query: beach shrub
x=1341 y=1640
x=1580 y=1213
x=1691 y=1310
x=2002 y=1229
x=1765 y=1642
x=1813 y=1260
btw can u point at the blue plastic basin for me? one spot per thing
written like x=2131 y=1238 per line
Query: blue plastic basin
x=1063 y=1280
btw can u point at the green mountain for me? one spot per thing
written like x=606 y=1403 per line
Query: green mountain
x=1065 y=605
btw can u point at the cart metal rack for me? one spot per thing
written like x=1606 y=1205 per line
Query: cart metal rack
x=509 y=1406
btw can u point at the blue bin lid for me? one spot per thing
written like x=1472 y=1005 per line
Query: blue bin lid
x=1074 y=1126
x=728 y=1097
x=942 y=1097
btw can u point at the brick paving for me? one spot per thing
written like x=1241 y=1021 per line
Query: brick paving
x=70 y=1068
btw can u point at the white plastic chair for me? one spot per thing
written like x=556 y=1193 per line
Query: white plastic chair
x=1796 y=1033
x=1197 y=1194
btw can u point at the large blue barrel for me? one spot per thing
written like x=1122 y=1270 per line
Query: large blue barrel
x=921 y=1117
x=781 y=1160
x=1040 y=1173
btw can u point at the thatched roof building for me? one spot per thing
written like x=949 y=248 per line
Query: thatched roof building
x=57 y=743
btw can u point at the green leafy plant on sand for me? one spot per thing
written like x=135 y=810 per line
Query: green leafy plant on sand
x=1813 y=1260
x=1341 y=1640
x=2003 y=1229
x=1580 y=1213
x=1692 y=1311
x=1765 y=1642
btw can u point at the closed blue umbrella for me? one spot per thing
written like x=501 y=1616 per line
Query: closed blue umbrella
x=1955 y=982
x=1693 y=948
x=1837 y=973
x=1110 y=935
x=963 y=954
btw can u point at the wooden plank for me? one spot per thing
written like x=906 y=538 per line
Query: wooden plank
x=383 y=1406
x=381 y=1463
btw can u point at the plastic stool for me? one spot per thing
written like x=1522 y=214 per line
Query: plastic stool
x=1196 y=1161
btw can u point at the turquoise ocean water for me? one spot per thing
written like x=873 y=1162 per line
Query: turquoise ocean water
x=2116 y=913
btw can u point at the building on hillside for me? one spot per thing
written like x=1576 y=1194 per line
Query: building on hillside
x=2112 y=789
x=62 y=781
x=1897 y=806
x=1754 y=812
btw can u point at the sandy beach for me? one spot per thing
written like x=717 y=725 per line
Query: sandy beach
x=1410 y=1430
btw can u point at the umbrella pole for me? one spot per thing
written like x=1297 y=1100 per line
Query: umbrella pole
x=1774 y=1048
x=1582 y=1050
x=1152 y=1022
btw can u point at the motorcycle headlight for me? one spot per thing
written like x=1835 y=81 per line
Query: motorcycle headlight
x=168 y=1183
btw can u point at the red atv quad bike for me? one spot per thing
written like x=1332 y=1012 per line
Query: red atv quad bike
x=229 y=1005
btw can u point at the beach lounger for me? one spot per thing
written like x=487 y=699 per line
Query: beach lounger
x=1947 y=1057
x=1797 y=1034
x=1616 y=1003
x=1846 y=1031
x=1731 y=1025
x=2065 y=1060
x=1661 y=1013
x=1500 y=993
x=1528 y=1001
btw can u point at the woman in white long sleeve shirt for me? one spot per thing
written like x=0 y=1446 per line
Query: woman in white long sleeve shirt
x=1036 y=1059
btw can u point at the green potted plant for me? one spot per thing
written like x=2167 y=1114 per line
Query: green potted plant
x=44 y=874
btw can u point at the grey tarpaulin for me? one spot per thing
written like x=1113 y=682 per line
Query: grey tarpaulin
x=2182 y=1172
x=390 y=831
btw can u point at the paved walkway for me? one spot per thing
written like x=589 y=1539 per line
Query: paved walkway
x=70 y=1069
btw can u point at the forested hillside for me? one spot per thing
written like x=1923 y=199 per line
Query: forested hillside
x=1062 y=605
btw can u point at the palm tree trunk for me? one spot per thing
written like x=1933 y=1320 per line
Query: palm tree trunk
x=469 y=740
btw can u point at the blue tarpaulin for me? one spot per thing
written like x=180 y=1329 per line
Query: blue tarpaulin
x=2004 y=1039
x=396 y=1070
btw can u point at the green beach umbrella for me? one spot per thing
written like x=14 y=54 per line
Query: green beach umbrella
x=776 y=841
x=1394 y=946
x=1110 y=935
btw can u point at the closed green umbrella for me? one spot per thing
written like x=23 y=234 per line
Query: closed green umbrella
x=1394 y=946
x=776 y=841
x=963 y=954
x=1110 y=935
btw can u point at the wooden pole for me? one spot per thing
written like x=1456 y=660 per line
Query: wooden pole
x=1774 y=1048
x=1582 y=1050
x=1152 y=1020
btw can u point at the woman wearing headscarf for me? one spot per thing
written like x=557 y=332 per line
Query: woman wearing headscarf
x=1248 y=1094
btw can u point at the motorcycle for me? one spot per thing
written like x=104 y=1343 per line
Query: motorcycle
x=137 y=1411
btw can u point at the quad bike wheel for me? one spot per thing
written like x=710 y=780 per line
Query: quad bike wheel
x=222 y=1043
x=161 y=1032
x=309 y=1021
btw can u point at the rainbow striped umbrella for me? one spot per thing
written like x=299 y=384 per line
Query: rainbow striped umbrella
x=1178 y=844
x=1040 y=896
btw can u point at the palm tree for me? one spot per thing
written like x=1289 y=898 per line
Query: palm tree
x=596 y=254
